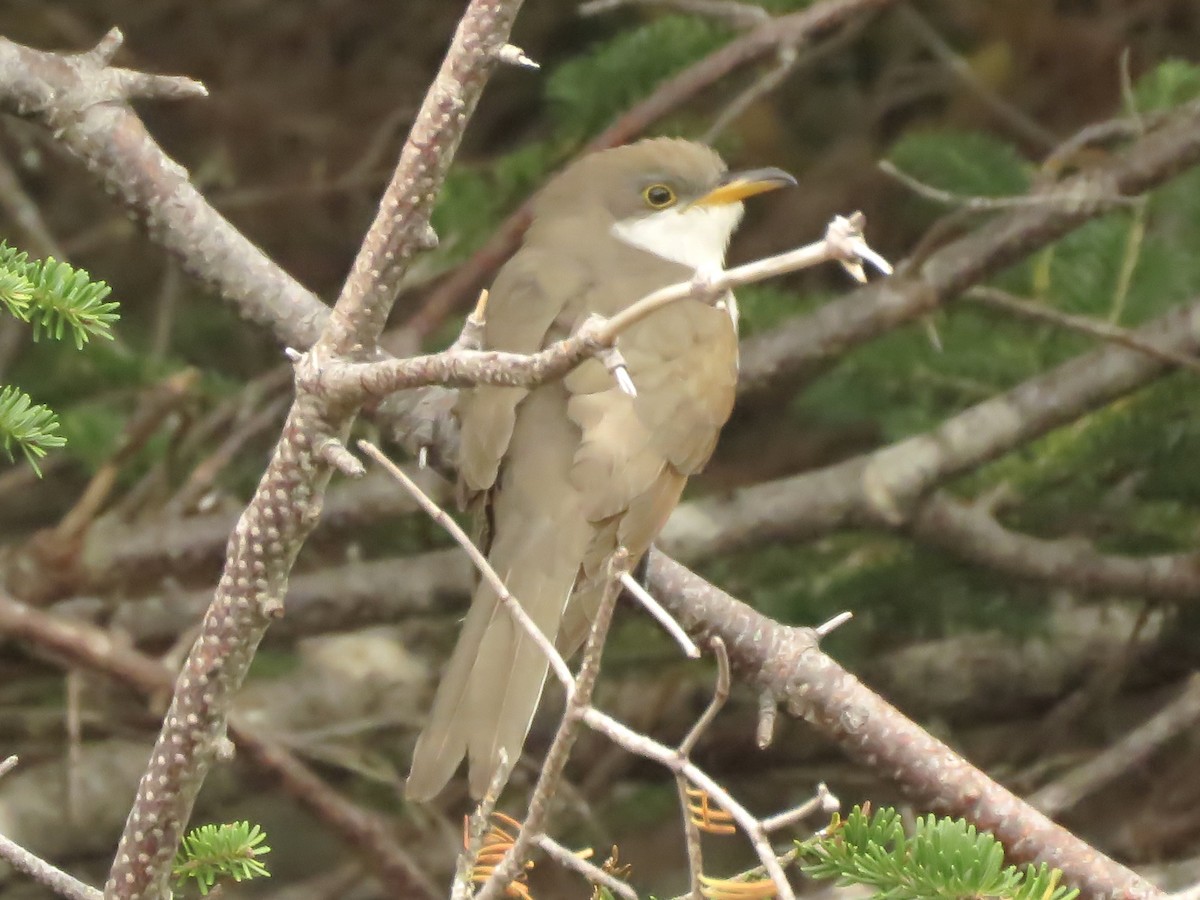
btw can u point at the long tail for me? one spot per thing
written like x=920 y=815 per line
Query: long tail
x=490 y=690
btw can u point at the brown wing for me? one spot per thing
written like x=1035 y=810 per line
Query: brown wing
x=526 y=299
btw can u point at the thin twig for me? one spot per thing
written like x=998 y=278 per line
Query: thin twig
x=347 y=383
x=1020 y=123
x=557 y=664
x=671 y=759
x=477 y=827
x=987 y=204
x=719 y=698
x=691 y=830
x=822 y=801
x=789 y=662
x=58 y=881
x=664 y=618
x=793 y=29
x=8 y=765
x=79 y=643
x=577 y=707
x=739 y=15
x=287 y=501
x=785 y=63
x=588 y=870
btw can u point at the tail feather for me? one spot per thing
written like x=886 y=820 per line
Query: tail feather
x=540 y=535
x=490 y=691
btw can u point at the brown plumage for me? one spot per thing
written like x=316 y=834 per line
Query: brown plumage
x=571 y=470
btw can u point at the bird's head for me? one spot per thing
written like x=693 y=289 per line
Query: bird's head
x=670 y=197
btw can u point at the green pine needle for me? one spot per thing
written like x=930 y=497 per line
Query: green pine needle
x=55 y=296
x=31 y=427
x=210 y=852
x=66 y=298
x=944 y=858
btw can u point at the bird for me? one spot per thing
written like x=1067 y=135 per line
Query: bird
x=564 y=474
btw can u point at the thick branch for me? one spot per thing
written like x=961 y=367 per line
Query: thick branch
x=83 y=103
x=287 y=503
x=788 y=663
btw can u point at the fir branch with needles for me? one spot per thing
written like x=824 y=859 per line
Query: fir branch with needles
x=56 y=298
x=943 y=859
x=213 y=852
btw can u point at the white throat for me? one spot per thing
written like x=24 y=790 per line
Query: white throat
x=694 y=236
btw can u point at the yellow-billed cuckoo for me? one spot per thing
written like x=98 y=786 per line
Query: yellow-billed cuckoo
x=569 y=471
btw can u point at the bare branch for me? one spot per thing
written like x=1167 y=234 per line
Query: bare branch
x=579 y=696
x=1014 y=118
x=889 y=487
x=346 y=383
x=660 y=615
x=788 y=662
x=740 y=15
x=822 y=801
x=1131 y=750
x=1106 y=331
x=80 y=100
x=691 y=830
x=806 y=344
x=287 y=503
x=477 y=827
x=592 y=873
x=58 y=881
x=676 y=762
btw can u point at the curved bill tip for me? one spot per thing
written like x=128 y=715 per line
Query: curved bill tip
x=737 y=186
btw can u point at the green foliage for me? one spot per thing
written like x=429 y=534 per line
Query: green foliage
x=944 y=858
x=30 y=426
x=1170 y=83
x=965 y=162
x=589 y=91
x=210 y=852
x=55 y=297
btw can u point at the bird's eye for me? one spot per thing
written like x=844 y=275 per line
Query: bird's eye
x=659 y=196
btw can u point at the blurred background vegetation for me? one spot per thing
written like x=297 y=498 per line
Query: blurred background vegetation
x=309 y=104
